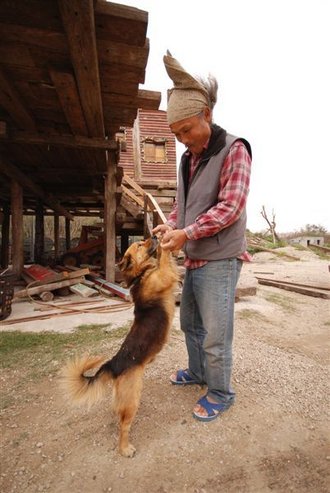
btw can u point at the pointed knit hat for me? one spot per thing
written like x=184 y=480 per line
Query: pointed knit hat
x=188 y=97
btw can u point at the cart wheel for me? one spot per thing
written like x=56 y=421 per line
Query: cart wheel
x=71 y=259
x=97 y=259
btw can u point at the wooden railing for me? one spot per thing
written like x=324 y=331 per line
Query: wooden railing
x=152 y=213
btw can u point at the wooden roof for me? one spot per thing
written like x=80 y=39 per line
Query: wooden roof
x=69 y=78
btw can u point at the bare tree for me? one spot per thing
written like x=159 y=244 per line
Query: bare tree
x=271 y=224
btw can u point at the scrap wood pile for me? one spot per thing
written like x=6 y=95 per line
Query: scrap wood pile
x=43 y=284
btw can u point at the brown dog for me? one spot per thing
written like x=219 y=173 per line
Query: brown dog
x=152 y=282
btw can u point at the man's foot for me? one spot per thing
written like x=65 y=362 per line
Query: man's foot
x=207 y=409
x=182 y=377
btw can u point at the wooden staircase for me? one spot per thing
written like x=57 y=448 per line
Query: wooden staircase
x=138 y=212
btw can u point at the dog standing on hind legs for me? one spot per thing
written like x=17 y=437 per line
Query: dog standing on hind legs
x=152 y=282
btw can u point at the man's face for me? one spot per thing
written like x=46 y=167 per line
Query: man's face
x=193 y=132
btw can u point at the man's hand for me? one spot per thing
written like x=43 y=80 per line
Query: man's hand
x=161 y=229
x=174 y=240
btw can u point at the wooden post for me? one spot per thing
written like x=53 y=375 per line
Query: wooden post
x=4 y=253
x=39 y=234
x=110 y=218
x=17 y=228
x=67 y=234
x=56 y=235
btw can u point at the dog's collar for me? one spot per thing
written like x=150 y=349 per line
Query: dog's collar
x=136 y=280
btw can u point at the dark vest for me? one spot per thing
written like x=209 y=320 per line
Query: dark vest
x=202 y=193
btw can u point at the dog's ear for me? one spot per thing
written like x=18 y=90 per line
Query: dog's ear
x=125 y=262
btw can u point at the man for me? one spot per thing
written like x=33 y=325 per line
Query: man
x=208 y=222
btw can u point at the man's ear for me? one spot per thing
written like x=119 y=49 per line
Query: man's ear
x=207 y=114
x=125 y=262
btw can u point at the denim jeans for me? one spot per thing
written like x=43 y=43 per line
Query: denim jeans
x=207 y=320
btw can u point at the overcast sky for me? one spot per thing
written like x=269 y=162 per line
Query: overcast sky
x=271 y=59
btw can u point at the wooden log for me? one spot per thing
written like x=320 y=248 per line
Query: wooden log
x=46 y=296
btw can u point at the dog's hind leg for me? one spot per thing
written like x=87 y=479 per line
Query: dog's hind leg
x=127 y=395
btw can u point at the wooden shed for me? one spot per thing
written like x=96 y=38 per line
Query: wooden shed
x=70 y=72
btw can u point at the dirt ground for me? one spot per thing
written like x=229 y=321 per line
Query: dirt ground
x=274 y=439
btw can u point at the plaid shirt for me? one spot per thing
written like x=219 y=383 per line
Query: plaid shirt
x=234 y=189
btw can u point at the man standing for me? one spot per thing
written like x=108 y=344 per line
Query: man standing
x=208 y=222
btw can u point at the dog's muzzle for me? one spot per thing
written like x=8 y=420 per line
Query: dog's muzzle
x=154 y=245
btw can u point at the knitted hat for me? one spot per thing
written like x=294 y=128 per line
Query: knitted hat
x=188 y=97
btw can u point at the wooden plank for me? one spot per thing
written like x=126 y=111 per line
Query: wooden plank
x=121 y=22
x=23 y=293
x=297 y=289
x=132 y=195
x=133 y=184
x=291 y=283
x=34 y=36
x=155 y=208
x=112 y=287
x=111 y=53
x=82 y=290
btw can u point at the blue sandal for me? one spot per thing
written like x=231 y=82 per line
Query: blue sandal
x=213 y=409
x=183 y=378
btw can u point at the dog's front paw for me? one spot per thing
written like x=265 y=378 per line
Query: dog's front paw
x=128 y=451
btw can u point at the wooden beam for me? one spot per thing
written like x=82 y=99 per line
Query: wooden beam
x=15 y=173
x=79 y=25
x=317 y=293
x=79 y=142
x=13 y=104
x=148 y=100
x=68 y=95
x=120 y=23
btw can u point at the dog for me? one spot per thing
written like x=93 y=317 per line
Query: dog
x=151 y=274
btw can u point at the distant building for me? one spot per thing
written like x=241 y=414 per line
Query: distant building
x=148 y=152
x=307 y=241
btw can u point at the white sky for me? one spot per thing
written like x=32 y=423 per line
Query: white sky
x=271 y=59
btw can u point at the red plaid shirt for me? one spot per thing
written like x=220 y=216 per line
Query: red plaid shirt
x=234 y=189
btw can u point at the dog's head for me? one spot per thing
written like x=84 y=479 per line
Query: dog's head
x=138 y=258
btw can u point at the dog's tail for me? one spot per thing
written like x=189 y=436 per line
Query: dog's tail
x=84 y=380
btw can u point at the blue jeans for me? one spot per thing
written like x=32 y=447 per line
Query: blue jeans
x=207 y=320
